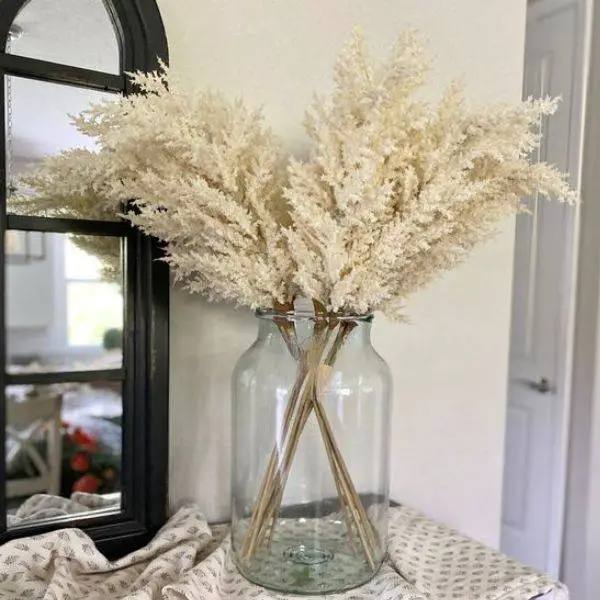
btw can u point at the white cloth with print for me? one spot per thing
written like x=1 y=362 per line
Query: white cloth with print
x=189 y=561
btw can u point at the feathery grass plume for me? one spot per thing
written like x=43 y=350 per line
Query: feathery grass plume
x=202 y=173
x=394 y=192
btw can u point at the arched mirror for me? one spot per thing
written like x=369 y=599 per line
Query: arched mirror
x=84 y=311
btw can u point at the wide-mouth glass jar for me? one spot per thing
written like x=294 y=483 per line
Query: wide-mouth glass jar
x=311 y=421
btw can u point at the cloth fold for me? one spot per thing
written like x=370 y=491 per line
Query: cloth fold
x=188 y=560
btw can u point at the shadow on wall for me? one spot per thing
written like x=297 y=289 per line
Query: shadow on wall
x=206 y=342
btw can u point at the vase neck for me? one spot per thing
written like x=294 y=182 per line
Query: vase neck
x=297 y=330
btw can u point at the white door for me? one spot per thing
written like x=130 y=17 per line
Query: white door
x=536 y=440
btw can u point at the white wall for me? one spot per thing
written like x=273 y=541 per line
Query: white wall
x=35 y=315
x=29 y=290
x=450 y=365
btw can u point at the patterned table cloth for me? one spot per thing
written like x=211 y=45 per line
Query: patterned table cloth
x=187 y=560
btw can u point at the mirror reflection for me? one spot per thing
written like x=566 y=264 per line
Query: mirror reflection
x=38 y=125
x=79 y=33
x=64 y=302
x=63 y=450
x=64 y=312
x=66 y=380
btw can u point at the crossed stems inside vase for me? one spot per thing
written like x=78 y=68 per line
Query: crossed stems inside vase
x=315 y=365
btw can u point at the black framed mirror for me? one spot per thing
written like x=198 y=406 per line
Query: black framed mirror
x=84 y=314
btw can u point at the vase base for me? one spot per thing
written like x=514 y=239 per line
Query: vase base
x=303 y=554
x=303 y=562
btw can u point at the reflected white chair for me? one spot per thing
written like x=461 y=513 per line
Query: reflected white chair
x=29 y=421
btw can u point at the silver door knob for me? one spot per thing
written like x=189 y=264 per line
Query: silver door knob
x=542 y=385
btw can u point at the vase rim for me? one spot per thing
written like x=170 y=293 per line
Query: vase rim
x=301 y=315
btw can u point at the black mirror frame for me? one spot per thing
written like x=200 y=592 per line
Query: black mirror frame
x=145 y=374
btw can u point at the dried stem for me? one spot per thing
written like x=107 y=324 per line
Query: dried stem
x=343 y=476
x=349 y=496
x=267 y=479
x=304 y=413
x=303 y=400
x=272 y=479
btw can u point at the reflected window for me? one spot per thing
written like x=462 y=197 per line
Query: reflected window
x=65 y=312
x=94 y=294
x=23 y=247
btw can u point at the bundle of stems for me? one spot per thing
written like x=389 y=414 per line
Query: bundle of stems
x=315 y=365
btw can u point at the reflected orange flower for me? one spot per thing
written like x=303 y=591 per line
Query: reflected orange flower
x=86 y=483
x=84 y=439
x=80 y=461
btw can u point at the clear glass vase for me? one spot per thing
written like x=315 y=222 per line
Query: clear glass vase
x=311 y=421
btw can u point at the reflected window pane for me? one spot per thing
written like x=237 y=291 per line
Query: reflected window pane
x=79 y=33
x=64 y=312
x=80 y=264
x=25 y=246
x=63 y=450
x=39 y=126
x=101 y=301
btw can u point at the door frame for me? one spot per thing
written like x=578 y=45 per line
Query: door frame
x=538 y=10
x=581 y=555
